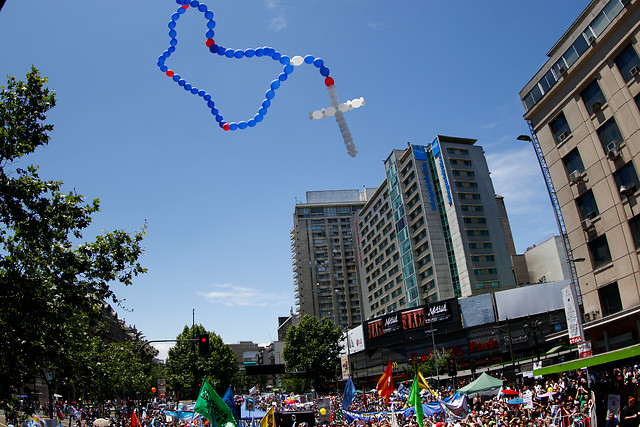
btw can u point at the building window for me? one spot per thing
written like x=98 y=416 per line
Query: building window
x=610 y=301
x=634 y=225
x=626 y=179
x=609 y=135
x=593 y=97
x=573 y=162
x=560 y=128
x=628 y=63
x=599 y=250
x=587 y=205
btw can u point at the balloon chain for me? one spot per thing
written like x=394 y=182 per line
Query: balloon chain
x=289 y=64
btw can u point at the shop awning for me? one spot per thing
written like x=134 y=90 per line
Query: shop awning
x=611 y=356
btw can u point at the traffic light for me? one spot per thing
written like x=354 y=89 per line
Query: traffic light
x=451 y=367
x=203 y=344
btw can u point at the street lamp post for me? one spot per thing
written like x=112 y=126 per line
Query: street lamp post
x=435 y=352
x=513 y=360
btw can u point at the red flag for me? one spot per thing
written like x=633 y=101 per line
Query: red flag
x=364 y=397
x=385 y=384
x=134 y=420
x=60 y=415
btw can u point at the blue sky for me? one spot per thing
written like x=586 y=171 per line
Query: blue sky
x=219 y=205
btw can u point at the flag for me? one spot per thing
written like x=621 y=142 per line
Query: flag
x=59 y=414
x=422 y=383
x=364 y=397
x=228 y=399
x=253 y=390
x=212 y=407
x=349 y=394
x=134 y=420
x=385 y=384
x=394 y=419
x=73 y=412
x=269 y=420
x=414 y=399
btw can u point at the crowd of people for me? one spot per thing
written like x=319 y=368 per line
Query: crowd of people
x=576 y=398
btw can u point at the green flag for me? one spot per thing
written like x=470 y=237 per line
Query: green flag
x=414 y=399
x=213 y=408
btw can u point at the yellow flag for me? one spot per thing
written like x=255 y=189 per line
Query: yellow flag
x=422 y=383
x=269 y=420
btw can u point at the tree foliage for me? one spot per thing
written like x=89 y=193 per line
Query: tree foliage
x=53 y=286
x=185 y=368
x=312 y=346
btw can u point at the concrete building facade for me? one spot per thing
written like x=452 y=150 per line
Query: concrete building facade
x=583 y=110
x=432 y=231
x=323 y=244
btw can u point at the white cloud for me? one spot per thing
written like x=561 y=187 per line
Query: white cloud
x=232 y=295
x=163 y=349
x=278 y=22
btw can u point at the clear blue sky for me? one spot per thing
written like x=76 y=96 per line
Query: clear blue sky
x=219 y=205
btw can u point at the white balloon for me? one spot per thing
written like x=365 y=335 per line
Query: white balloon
x=344 y=107
x=330 y=111
x=297 y=60
x=317 y=115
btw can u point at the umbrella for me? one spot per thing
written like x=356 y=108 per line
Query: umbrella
x=102 y=422
x=510 y=392
x=57 y=395
x=549 y=394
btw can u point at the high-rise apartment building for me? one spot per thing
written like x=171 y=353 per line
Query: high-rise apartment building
x=323 y=243
x=583 y=110
x=433 y=229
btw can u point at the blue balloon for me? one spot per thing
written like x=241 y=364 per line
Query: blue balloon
x=194 y=3
x=166 y=54
x=324 y=71
x=258 y=118
x=187 y=86
x=194 y=90
x=233 y=126
x=213 y=48
x=276 y=56
x=219 y=118
x=201 y=93
x=275 y=84
x=288 y=69
x=175 y=16
x=173 y=42
x=182 y=82
x=270 y=94
x=282 y=77
x=176 y=77
x=210 y=34
x=318 y=62
x=173 y=33
x=181 y=10
x=222 y=51
x=251 y=123
x=211 y=24
x=214 y=111
x=309 y=59
x=262 y=111
x=202 y=7
x=268 y=51
x=266 y=103
x=259 y=52
x=208 y=15
x=242 y=125
x=171 y=49
x=207 y=97
x=238 y=54
x=211 y=104
x=285 y=60
x=172 y=24
x=229 y=53
x=164 y=68
x=249 y=53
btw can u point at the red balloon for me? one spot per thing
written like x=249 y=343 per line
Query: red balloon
x=328 y=82
x=186 y=6
x=206 y=422
x=210 y=42
x=225 y=126
x=169 y=73
x=153 y=389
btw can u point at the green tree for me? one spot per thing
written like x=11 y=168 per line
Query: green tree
x=428 y=367
x=312 y=346
x=185 y=368
x=52 y=284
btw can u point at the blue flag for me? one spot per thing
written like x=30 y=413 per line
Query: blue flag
x=349 y=394
x=228 y=398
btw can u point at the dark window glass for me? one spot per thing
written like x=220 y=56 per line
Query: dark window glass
x=626 y=177
x=560 y=128
x=634 y=225
x=599 y=250
x=609 y=134
x=637 y=99
x=626 y=62
x=573 y=162
x=610 y=301
x=587 y=205
x=593 y=97
x=580 y=45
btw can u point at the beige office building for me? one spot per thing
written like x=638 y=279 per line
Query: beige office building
x=582 y=107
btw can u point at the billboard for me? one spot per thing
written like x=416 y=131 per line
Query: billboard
x=477 y=310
